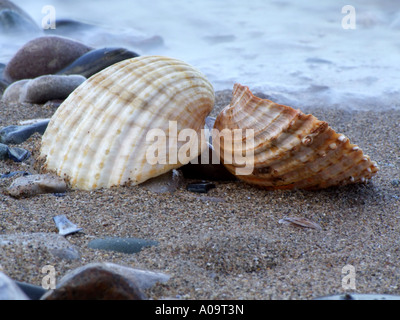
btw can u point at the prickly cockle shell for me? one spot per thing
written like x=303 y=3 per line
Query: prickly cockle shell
x=289 y=149
x=98 y=136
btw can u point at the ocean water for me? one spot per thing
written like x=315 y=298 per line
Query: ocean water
x=301 y=53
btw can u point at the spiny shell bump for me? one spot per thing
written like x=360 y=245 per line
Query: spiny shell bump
x=97 y=137
x=291 y=149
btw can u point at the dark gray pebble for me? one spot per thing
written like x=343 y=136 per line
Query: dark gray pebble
x=50 y=87
x=50 y=54
x=124 y=245
x=32 y=292
x=395 y=182
x=202 y=187
x=18 y=154
x=13 y=153
x=17 y=134
x=97 y=60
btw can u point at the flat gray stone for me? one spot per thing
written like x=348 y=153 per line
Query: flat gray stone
x=124 y=245
x=17 y=134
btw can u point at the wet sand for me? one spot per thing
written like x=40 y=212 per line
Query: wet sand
x=228 y=243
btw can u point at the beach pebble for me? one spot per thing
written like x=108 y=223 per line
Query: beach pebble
x=50 y=243
x=49 y=87
x=13 y=153
x=3 y=82
x=124 y=245
x=17 y=134
x=167 y=182
x=95 y=282
x=29 y=186
x=43 y=55
x=202 y=187
x=97 y=60
x=14 y=20
x=18 y=154
x=13 y=92
x=9 y=290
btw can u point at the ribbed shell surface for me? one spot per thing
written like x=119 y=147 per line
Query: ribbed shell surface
x=97 y=137
x=291 y=149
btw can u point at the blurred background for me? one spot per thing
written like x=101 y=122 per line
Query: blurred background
x=299 y=53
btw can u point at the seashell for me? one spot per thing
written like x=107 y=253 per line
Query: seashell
x=290 y=149
x=98 y=136
x=64 y=226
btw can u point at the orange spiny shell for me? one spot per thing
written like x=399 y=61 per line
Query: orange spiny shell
x=291 y=149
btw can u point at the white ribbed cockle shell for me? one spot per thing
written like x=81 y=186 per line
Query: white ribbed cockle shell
x=98 y=136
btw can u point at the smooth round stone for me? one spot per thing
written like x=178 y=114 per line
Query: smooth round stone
x=124 y=245
x=96 y=281
x=97 y=60
x=50 y=87
x=43 y=55
x=15 y=20
x=13 y=91
x=167 y=182
x=29 y=186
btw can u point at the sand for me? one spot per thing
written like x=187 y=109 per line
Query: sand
x=228 y=243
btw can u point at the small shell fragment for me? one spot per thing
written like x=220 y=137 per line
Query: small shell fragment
x=300 y=222
x=65 y=226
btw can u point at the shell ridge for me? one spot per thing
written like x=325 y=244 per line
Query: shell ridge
x=173 y=98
